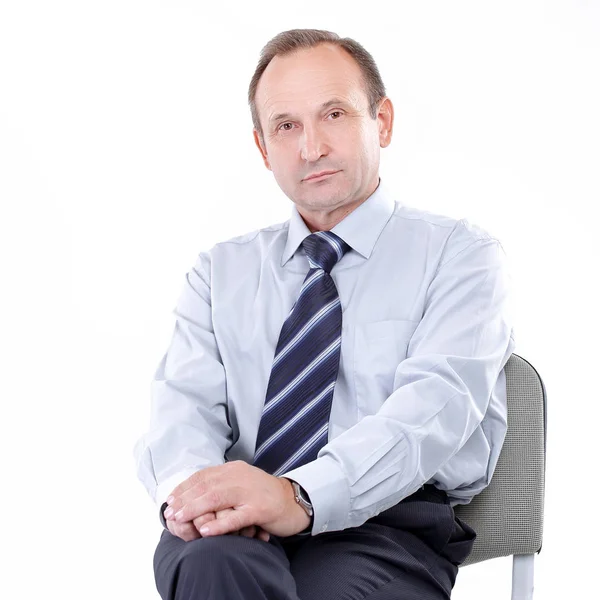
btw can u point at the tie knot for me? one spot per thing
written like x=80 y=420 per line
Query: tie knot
x=324 y=249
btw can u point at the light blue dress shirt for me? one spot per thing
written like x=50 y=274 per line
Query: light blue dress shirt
x=421 y=392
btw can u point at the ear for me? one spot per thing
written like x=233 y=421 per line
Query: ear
x=385 y=119
x=263 y=151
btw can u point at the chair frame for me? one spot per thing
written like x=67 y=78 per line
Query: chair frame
x=523 y=562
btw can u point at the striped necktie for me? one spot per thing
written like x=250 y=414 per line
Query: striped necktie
x=295 y=419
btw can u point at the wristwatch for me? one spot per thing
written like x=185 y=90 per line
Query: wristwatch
x=301 y=498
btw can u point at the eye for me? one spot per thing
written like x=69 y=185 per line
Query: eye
x=335 y=112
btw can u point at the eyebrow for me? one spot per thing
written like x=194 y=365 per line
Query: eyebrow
x=325 y=105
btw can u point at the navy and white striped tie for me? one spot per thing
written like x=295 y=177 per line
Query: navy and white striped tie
x=295 y=419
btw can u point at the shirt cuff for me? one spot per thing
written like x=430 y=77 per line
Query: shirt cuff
x=161 y=516
x=328 y=490
x=163 y=491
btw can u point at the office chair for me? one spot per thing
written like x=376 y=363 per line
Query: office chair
x=508 y=514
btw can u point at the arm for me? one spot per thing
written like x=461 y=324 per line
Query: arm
x=189 y=427
x=440 y=393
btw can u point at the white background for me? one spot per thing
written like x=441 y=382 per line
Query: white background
x=126 y=148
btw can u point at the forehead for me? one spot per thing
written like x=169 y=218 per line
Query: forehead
x=307 y=79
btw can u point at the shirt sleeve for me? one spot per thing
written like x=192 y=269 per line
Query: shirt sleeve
x=189 y=428
x=440 y=393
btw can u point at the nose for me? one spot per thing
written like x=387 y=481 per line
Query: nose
x=313 y=146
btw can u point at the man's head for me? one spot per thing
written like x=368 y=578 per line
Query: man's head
x=318 y=104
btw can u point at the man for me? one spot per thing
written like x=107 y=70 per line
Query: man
x=335 y=383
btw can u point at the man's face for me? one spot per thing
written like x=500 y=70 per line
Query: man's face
x=315 y=117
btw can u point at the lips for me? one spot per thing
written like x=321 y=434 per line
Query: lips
x=322 y=175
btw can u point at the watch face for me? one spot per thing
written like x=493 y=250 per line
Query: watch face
x=304 y=496
x=302 y=493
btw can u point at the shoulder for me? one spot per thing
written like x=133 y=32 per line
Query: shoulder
x=240 y=251
x=450 y=235
x=255 y=234
x=452 y=226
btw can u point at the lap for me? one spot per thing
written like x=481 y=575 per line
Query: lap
x=209 y=567
x=412 y=550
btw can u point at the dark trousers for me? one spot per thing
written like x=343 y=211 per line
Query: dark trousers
x=409 y=551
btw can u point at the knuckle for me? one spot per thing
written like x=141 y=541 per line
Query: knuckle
x=213 y=497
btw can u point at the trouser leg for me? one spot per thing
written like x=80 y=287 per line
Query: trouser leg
x=223 y=566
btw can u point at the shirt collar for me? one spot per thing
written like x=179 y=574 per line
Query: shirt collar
x=360 y=229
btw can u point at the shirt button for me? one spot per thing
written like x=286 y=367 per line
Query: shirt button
x=324 y=527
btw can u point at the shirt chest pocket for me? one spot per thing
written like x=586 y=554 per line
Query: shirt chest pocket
x=379 y=348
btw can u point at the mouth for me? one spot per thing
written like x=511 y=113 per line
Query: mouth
x=322 y=177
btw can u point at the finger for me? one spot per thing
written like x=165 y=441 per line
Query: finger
x=202 y=477
x=186 y=531
x=248 y=531
x=214 y=500
x=264 y=535
x=189 y=533
x=198 y=522
x=201 y=482
x=237 y=519
x=220 y=514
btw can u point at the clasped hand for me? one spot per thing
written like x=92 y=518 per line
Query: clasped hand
x=234 y=498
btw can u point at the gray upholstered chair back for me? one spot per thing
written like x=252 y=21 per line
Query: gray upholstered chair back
x=508 y=515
